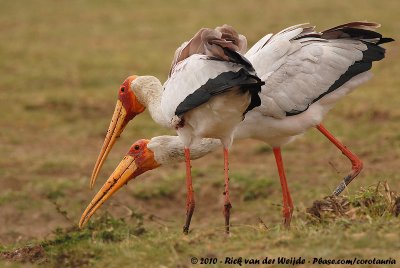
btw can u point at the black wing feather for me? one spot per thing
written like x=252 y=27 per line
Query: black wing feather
x=221 y=84
x=373 y=53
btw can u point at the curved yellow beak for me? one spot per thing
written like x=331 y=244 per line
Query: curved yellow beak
x=115 y=129
x=125 y=171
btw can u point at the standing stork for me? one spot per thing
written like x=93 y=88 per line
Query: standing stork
x=210 y=88
x=305 y=74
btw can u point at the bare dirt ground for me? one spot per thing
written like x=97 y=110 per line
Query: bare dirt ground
x=62 y=63
x=34 y=254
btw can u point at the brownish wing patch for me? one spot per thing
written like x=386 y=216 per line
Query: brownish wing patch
x=230 y=34
x=211 y=42
x=357 y=29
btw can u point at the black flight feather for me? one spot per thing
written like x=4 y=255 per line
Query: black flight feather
x=373 y=53
x=224 y=82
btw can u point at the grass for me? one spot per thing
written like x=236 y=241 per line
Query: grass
x=62 y=63
x=137 y=239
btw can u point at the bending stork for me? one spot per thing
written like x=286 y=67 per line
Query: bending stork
x=305 y=74
x=210 y=88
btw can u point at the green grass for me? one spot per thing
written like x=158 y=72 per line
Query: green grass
x=62 y=63
x=137 y=240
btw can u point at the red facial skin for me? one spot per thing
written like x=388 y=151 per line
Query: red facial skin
x=144 y=158
x=132 y=106
x=138 y=160
x=126 y=109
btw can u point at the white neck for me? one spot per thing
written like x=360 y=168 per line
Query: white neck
x=169 y=149
x=148 y=90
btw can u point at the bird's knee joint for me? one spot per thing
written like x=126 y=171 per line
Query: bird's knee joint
x=358 y=165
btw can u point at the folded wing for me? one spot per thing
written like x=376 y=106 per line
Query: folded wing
x=209 y=64
x=300 y=66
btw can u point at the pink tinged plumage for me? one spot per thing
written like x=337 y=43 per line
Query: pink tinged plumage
x=210 y=88
x=305 y=74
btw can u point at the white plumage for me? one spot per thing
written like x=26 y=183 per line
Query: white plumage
x=298 y=71
x=305 y=74
x=210 y=88
x=213 y=119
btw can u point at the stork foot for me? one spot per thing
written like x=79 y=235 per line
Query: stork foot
x=287 y=216
x=227 y=214
x=189 y=214
x=357 y=166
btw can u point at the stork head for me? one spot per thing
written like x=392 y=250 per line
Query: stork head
x=138 y=160
x=145 y=155
x=128 y=100
x=128 y=106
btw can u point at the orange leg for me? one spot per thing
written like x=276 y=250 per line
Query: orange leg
x=189 y=198
x=356 y=163
x=227 y=202
x=287 y=200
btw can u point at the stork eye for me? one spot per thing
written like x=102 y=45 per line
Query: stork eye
x=137 y=147
x=122 y=89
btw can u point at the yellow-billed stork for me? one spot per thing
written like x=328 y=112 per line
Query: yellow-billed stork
x=210 y=88
x=145 y=155
x=305 y=74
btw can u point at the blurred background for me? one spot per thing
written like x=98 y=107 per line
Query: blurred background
x=61 y=65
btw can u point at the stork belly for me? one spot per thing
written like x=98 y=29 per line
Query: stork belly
x=218 y=117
